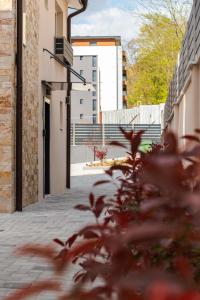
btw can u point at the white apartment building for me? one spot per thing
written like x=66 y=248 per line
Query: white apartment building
x=102 y=61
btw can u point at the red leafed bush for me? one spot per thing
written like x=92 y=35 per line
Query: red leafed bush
x=145 y=241
x=101 y=154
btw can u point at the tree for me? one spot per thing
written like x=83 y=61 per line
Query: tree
x=154 y=54
x=177 y=10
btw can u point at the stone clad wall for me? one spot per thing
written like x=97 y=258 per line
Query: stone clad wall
x=7 y=106
x=30 y=104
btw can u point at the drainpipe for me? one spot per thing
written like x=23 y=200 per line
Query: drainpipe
x=69 y=19
x=19 y=105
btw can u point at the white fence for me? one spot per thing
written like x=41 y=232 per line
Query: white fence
x=144 y=114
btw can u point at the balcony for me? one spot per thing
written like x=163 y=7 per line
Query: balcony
x=125 y=77
x=63 y=50
x=125 y=99
x=124 y=93
x=125 y=69
x=125 y=81
x=125 y=87
x=124 y=56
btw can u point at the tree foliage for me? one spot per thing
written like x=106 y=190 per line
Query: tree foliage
x=154 y=53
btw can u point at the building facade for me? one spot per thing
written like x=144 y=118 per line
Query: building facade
x=33 y=90
x=102 y=61
x=182 y=108
x=85 y=104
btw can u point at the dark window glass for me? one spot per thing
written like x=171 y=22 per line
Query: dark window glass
x=94 y=61
x=81 y=57
x=81 y=72
x=94 y=104
x=81 y=116
x=93 y=43
x=81 y=101
x=94 y=119
x=95 y=92
x=94 y=75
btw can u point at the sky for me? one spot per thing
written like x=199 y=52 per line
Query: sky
x=108 y=17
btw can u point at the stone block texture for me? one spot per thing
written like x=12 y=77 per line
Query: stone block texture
x=8 y=103
x=30 y=103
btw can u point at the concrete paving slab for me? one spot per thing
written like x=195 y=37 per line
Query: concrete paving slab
x=51 y=218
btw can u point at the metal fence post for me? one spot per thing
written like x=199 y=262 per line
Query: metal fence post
x=74 y=134
x=103 y=134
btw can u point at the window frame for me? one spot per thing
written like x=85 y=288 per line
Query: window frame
x=94 y=78
x=94 y=61
x=94 y=104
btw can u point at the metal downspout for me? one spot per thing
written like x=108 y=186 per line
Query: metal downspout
x=19 y=105
x=68 y=175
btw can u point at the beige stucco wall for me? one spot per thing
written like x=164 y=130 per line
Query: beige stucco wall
x=37 y=66
x=186 y=117
x=51 y=71
x=58 y=144
x=7 y=105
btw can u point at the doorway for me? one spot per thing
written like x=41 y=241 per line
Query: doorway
x=47 y=126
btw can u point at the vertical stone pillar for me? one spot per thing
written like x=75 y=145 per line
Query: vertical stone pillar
x=7 y=105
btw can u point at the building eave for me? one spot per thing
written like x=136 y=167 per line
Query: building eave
x=76 y=4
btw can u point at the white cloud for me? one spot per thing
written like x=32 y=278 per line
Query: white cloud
x=112 y=21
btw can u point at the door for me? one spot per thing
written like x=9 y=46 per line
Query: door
x=47 y=126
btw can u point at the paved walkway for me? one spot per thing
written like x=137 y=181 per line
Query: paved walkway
x=41 y=223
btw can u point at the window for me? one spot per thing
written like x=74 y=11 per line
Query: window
x=94 y=75
x=94 y=93
x=61 y=115
x=81 y=57
x=81 y=116
x=93 y=43
x=94 y=119
x=94 y=104
x=81 y=72
x=94 y=61
x=81 y=101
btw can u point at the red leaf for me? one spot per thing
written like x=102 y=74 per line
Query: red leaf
x=128 y=134
x=29 y=291
x=39 y=251
x=184 y=267
x=82 y=207
x=91 y=198
x=90 y=235
x=118 y=144
x=101 y=182
x=59 y=242
x=71 y=240
x=193 y=295
x=191 y=138
x=99 y=206
x=79 y=277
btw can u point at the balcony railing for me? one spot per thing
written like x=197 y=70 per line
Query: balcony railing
x=63 y=50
